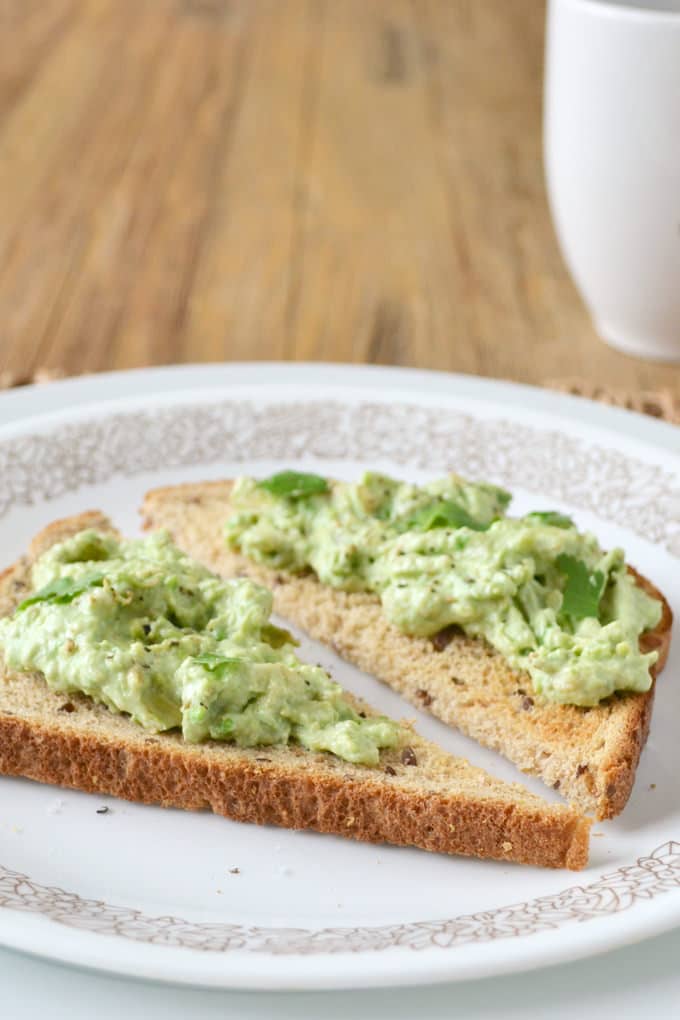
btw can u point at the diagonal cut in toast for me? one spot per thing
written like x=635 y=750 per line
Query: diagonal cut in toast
x=417 y=796
x=590 y=755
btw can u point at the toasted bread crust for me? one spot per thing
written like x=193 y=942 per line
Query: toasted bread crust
x=589 y=755
x=275 y=795
x=442 y=804
x=619 y=773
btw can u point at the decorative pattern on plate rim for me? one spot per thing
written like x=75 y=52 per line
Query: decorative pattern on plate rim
x=640 y=496
x=612 y=893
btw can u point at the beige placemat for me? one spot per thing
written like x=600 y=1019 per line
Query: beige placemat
x=656 y=403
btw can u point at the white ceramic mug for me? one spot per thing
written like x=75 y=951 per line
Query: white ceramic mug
x=612 y=159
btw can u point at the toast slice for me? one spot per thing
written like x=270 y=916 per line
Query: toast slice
x=417 y=796
x=589 y=754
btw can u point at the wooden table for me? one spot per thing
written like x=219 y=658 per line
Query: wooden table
x=352 y=180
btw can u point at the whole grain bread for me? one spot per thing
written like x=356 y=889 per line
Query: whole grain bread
x=589 y=754
x=417 y=796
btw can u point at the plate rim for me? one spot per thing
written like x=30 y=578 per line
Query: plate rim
x=107 y=387
x=326 y=971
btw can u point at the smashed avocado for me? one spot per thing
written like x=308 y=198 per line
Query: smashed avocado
x=542 y=593
x=143 y=629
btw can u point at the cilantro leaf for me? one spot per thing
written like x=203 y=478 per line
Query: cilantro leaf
x=444 y=513
x=63 y=590
x=294 y=484
x=214 y=662
x=553 y=518
x=277 y=637
x=223 y=728
x=583 y=591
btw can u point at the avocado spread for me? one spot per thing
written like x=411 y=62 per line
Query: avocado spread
x=546 y=596
x=141 y=628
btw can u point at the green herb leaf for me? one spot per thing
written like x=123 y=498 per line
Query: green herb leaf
x=553 y=518
x=583 y=591
x=223 y=728
x=294 y=484
x=215 y=662
x=63 y=590
x=277 y=637
x=444 y=513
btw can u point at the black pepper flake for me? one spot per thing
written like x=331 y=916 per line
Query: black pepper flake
x=263 y=759
x=234 y=871
x=581 y=769
x=362 y=714
x=520 y=690
x=458 y=682
x=68 y=707
x=556 y=784
x=146 y=627
x=408 y=756
x=424 y=696
x=527 y=703
x=390 y=771
x=103 y=810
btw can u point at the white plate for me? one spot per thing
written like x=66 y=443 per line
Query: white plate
x=143 y=891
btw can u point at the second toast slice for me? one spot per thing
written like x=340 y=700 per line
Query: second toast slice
x=589 y=755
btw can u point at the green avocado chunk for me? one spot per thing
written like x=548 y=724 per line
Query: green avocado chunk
x=545 y=595
x=143 y=629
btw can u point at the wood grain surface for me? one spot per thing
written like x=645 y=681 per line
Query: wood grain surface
x=341 y=180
